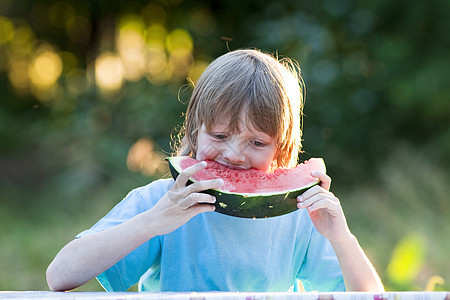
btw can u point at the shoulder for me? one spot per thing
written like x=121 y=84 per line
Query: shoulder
x=135 y=202
x=143 y=198
x=153 y=191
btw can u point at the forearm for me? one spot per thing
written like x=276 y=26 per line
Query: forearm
x=358 y=272
x=85 y=258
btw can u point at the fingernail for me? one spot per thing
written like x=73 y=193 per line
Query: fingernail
x=300 y=198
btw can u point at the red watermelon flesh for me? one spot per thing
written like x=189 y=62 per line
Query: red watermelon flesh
x=253 y=181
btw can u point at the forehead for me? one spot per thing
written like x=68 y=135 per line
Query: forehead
x=243 y=125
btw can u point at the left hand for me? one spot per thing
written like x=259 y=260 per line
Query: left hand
x=325 y=209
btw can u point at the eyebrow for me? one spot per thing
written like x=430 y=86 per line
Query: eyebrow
x=255 y=132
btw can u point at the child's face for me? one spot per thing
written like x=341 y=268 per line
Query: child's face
x=246 y=149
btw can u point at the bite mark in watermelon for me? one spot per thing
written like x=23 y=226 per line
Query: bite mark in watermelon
x=253 y=193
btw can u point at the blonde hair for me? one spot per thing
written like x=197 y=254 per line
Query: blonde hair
x=270 y=90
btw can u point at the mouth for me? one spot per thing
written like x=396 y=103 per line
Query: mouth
x=231 y=166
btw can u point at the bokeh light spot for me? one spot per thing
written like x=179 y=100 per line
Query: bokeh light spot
x=407 y=259
x=179 y=40
x=18 y=74
x=156 y=35
x=144 y=158
x=154 y=14
x=45 y=68
x=59 y=13
x=179 y=45
x=109 y=73
x=157 y=66
x=24 y=41
x=69 y=60
x=197 y=70
x=131 y=45
x=6 y=30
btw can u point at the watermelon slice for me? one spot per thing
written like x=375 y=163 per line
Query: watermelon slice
x=253 y=193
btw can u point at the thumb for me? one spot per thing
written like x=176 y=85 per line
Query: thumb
x=325 y=180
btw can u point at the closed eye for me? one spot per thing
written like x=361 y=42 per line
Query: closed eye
x=219 y=136
x=258 y=144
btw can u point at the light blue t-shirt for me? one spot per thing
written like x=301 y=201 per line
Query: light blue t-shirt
x=216 y=252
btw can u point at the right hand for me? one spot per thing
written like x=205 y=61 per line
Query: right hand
x=84 y=258
x=182 y=202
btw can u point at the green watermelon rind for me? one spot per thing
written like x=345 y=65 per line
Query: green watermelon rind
x=256 y=206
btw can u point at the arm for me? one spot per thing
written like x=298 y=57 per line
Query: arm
x=328 y=218
x=358 y=272
x=85 y=258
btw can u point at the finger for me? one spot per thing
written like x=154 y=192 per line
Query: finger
x=325 y=180
x=184 y=175
x=307 y=202
x=313 y=191
x=204 y=185
x=200 y=208
x=177 y=194
x=319 y=203
x=324 y=203
x=197 y=199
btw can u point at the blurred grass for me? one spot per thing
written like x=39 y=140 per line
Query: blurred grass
x=409 y=196
x=31 y=236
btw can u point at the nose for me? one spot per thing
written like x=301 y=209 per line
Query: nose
x=234 y=152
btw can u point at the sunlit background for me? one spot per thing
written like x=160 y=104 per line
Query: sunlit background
x=93 y=93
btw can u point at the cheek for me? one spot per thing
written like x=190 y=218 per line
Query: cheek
x=265 y=165
x=206 y=149
x=266 y=161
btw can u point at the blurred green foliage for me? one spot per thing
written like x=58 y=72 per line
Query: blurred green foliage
x=91 y=92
